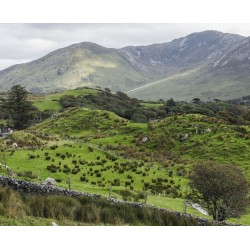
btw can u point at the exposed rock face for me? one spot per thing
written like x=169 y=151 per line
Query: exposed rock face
x=194 y=49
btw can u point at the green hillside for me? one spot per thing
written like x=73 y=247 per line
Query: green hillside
x=193 y=83
x=104 y=153
x=98 y=149
x=51 y=101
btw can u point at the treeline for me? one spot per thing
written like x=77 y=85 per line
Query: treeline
x=134 y=110
x=119 y=103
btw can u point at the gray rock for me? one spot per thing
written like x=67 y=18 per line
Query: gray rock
x=49 y=182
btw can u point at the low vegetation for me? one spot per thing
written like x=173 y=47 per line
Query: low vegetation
x=82 y=210
x=104 y=151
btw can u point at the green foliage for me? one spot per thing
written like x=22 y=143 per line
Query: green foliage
x=20 y=109
x=120 y=104
x=223 y=189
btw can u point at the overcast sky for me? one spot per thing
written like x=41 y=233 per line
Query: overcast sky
x=25 y=42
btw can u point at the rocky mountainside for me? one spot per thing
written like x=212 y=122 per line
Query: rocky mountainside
x=186 y=52
x=207 y=64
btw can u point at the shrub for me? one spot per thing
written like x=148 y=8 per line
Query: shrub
x=82 y=162
x=83 y=178
x=90 y=149
x=53 y=147
x=170 y=173
x=116 y=182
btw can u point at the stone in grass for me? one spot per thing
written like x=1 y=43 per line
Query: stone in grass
x=49 y=182
x=144 y=139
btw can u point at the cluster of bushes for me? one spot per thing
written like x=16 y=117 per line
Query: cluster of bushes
x=53 y=168
x=163 y=185
x=130 y=108
x=230 y=111
x=118 y=103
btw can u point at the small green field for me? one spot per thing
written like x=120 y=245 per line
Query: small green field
x=51 y=101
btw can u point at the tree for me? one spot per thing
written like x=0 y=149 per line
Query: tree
x=122 y=95
x=221 y=188
x=20 y=109
x=170 y=103
x=196 y=100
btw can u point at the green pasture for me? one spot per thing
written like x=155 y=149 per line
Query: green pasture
x=51 y=101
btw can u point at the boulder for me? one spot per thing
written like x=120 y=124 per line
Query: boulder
x=49 y=182
x=144 y=139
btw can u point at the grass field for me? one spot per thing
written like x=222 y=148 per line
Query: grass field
x=97 y=149
x=51 y=101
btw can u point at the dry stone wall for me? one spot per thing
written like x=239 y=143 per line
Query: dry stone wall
x=36 y=188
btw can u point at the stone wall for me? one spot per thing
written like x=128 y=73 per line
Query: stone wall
x=36 y=188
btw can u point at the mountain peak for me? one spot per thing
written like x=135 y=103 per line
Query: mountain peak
x=186 y=67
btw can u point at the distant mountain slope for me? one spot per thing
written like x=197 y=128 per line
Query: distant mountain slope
x=186 y=52
x=84 y=64
x=207 y=64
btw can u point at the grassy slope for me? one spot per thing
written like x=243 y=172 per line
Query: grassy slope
x=191 y=84
x=51 y=101
x=83 y=67
x=82 y=128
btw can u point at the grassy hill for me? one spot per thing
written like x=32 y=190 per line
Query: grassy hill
x=98 y=149
x=51 y=101
x=106 y=154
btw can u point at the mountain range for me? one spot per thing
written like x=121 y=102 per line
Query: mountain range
x=208 y=64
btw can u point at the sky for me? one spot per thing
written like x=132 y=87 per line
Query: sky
x=22 y=42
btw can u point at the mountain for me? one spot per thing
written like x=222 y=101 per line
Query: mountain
x=207 y=64
x=83 y=64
